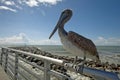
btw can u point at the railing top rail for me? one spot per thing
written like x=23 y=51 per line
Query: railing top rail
x=56 y=61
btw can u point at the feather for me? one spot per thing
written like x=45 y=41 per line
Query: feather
x=82 y=42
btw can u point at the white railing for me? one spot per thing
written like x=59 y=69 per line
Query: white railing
x=13 y=66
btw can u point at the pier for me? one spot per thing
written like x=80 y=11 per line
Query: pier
x=14 y=67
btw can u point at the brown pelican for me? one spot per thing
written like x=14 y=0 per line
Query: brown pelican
x=73 y=42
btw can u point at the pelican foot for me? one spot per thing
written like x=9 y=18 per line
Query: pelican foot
x=80 y=67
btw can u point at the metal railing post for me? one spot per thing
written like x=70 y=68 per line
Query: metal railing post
x=16 y=66
x=6 y=60
x=1 y=56
x=47 y=69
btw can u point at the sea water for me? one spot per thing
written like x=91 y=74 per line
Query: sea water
x=59 y=49
x=109 y=54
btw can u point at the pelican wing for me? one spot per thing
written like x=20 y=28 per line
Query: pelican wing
x=82 y=42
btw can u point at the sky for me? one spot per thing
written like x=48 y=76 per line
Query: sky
x=32 y=21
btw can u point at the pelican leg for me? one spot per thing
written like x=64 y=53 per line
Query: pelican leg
x=75 y=59
x=81 y=65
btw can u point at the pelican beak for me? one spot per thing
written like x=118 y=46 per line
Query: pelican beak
x=55 y=29
x=62 y=17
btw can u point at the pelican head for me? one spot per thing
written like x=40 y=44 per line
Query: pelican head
x=65 y=16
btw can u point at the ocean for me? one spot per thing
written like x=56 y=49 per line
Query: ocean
x=109 y=54
x=59 y=48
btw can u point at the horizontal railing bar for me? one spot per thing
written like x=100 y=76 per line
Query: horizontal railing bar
x=56 y=61
x=11 y=66
x=41 y=68
x=29 y=71
x=3 y=61
x=10 y=61
x=10 y=72
x=20 y=77
x=33 y=64
x=28 y=63
x=3 y=56
x=23 y=75
x=100 y=73
x=13 y=55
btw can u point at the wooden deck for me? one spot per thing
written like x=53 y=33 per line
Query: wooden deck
x=3 y=75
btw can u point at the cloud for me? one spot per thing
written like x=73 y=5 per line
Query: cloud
x=31 y=3
x=52 y=2
x=7 y=8
x=34 y=3
x=107 y=41
x=9 y=3
x=6 y=4
x=22 y=38
x=16 y=39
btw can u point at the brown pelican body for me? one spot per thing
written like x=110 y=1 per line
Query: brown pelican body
x=73 y=42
